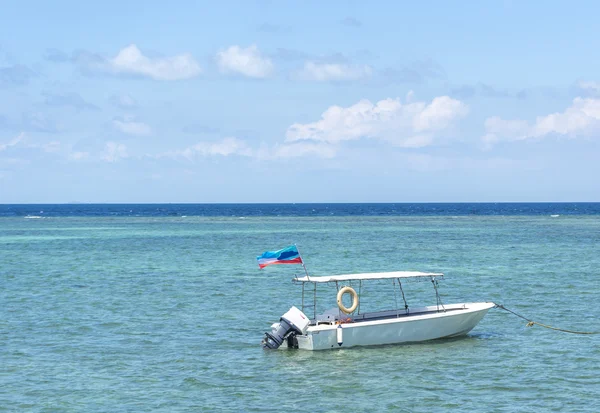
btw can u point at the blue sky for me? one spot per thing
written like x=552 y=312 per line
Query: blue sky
x=267 y=101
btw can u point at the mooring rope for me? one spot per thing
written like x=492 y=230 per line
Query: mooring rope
x=531 y=323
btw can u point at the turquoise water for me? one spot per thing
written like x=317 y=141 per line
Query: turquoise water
x=166 y=314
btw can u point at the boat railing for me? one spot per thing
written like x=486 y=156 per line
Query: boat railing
x=309 y=301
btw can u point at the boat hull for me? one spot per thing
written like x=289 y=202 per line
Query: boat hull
x=425 y=325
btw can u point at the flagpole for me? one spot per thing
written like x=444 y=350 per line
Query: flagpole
x=304 y=266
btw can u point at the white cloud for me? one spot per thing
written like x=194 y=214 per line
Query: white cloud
x=50 y=147
x=236 y=147
x=591 y=87
x=123 y=101
x=582 y=118
x=248 y=62
x=68 y=99
x=305 y=148
x=228 y=146
x=325 y=72
x=114 y=152
x=131 y=127
x=225 y=147
x=413 y=124
x=296 y=150
x=423 y=162
x=79 y=156
x=12 y=142
x=130 y=60
x=40 y=122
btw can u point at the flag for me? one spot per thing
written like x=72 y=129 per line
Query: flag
x=289 y=255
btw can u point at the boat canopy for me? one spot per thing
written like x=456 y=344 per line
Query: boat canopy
x=369 y=276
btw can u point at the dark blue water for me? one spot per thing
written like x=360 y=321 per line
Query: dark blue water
x=306 y=210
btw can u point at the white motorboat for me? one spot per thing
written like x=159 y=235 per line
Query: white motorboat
x=346 y=326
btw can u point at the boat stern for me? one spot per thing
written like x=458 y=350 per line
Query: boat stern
x=292 y=324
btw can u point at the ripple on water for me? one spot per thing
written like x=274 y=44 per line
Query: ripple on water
x=139 y=314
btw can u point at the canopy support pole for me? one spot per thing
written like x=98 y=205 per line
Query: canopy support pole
x=359 y=294
x=315 y=303
x=437 y=295
x=302 y=297
x=403 y=297
x=395 y=296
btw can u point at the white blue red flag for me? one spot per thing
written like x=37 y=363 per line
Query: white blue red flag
x=289 y=255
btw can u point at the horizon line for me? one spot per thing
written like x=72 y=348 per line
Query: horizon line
x=298 y=203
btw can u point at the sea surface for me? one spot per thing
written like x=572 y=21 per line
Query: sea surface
x=161 y=308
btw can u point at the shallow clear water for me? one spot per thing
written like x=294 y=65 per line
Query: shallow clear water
x=164 y=313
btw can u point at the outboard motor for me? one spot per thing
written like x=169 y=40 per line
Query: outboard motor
x=292 y=322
